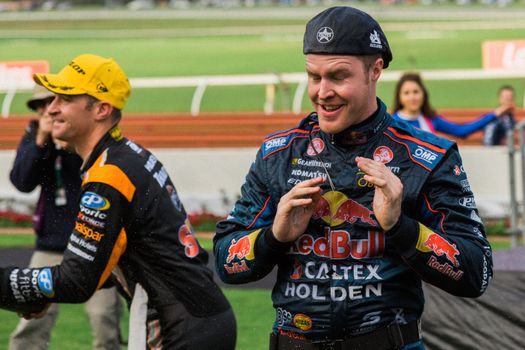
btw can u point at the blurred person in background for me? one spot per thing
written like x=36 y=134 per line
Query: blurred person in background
x=412 y=104
x=130 y=219
x=44 y=161
x=495 y=133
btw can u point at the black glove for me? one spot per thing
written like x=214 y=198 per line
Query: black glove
x=8 y=301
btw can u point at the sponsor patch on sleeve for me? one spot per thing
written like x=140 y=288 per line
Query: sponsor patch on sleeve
x=432 y=242
x=277 y=142
x=243 y=248
x=94 y=201
x=45 y=282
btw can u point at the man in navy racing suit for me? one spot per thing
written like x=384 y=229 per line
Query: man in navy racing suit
x=130 y=218
x=354 y=208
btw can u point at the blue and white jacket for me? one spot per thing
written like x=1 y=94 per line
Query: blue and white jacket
x=345 y=275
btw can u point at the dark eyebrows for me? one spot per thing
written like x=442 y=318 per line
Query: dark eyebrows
x=310 y=73
x=332 y=74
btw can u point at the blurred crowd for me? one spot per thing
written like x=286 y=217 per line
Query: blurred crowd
x=46 y=5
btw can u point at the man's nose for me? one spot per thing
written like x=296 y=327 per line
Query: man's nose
x=325 y=89
x=52 y=108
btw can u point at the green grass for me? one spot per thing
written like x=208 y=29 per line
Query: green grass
x=17 y=240
x=184 y=47
x=255 y=315
x=498 y=245
x=28 y=240
x=206 y=243
x=72 y=330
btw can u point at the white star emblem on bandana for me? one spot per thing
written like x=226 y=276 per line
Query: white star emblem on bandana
x=325 y=35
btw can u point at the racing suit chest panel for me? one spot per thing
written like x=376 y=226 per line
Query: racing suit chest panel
x=339 y=273
x=162 y=254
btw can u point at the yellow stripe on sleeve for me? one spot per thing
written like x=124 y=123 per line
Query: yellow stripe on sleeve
x=110 y=175
x=118 y=249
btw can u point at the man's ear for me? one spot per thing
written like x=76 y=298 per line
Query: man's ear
x=376 y=70
x=103 y=110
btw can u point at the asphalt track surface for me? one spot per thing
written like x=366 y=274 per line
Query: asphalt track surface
x=20 y=257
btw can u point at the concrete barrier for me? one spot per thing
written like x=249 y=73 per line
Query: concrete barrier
x=210 y=178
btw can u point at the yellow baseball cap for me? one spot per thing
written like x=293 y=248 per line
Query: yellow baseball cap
x=89 y=74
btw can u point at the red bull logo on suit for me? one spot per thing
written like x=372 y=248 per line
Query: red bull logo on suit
x=432 y=242
x=337 y=244
x=440 y=246
x=335 y=208
x=242 y=248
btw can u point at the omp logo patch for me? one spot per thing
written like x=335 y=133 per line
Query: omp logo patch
x=45 y=282
x=274 y=143
x=94 y=201
x=425 y=155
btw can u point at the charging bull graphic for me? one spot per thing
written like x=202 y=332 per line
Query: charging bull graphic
x=243 y=247
x=430 y=241
x=336 y=208
x=441 y=246
x=239 y=249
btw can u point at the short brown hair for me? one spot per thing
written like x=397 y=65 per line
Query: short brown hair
x=426 y=108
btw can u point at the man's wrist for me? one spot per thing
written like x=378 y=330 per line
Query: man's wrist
x=8 y=302
x=41 y=139
x=404 y=234
x=4 y=290
x=273 y=242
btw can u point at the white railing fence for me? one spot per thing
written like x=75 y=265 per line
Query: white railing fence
x=11 y=86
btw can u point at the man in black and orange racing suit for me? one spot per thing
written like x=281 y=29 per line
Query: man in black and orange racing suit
x=353 y=214
x=130 y=216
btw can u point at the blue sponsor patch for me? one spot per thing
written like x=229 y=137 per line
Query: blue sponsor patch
x=426 y=155
x=275 y=143
x=425 y=149
x=281 y=141
x=45 y=282
x=94 y=201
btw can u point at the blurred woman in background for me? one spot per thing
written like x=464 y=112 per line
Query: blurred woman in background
x=412 y=104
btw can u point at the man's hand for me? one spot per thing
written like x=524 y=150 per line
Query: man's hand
x=45 y=126
x=388 y=191
x=504 y=109
x=295 y=210
x=8 y=302
x=34 y=315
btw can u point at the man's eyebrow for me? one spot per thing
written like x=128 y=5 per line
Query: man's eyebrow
x=330 y=73
x=340 y=70
x=309 y=72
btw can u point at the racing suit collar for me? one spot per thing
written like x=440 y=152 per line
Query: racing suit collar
x=113 y=136
x=363 y=132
